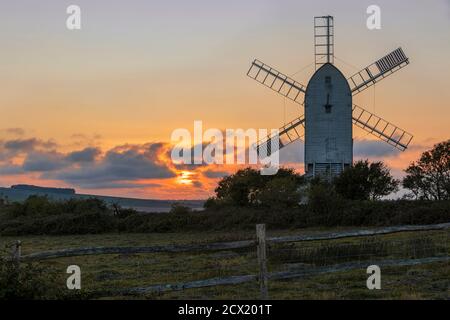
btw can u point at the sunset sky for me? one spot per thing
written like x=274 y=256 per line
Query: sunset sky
x=94 y=109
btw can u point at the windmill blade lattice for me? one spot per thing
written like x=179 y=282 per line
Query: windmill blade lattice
x=290 y=132
x=277 y=81
x=381 y=128
x=378 y=70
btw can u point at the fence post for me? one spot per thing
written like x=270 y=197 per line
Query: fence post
x=262 y=262
x=16 y=252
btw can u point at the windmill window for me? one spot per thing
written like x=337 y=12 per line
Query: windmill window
x=328 y=105
x=328 y=80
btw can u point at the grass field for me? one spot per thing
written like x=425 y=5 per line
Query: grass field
x=107 y=273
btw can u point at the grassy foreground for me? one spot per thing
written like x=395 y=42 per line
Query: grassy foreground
x=107 y=273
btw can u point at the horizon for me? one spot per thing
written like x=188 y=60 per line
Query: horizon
x=94 y=109
x=95 y=195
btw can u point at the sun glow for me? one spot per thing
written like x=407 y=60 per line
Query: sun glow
x=185 y=178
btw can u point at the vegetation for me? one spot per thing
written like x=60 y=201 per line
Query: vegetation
x=179 y=209
x=323 y=209
x=429 y=177
x=241 y=201
x=27 y=282
x=104 y=275
x=248 y=188
x=365 y=181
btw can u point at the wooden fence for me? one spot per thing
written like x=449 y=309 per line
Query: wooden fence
x=261 y=241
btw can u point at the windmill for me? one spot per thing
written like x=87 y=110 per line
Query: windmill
x=329 y=110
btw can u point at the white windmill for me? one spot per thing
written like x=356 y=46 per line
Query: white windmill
x=329 y=112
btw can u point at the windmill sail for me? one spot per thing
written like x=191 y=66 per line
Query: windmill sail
x=378 y=70
x=287 y=134
x=381 y=128
x=277 y=81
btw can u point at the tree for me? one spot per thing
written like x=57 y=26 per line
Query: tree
x=247 y=187
x=178 y=208
x=237 y=188
x=322 y=197
x=279 y=192
x=365 y=181
x=429 y=177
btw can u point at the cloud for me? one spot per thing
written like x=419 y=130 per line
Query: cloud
x=215 y=174
x=24 y=145
x=11 y=169
x=118 y=185
x=123 y=166
x=86 y=155
x=79 y=139
x=122 y=163
x=138 y=166
x=81 y=136
x=373 y=149
x=197 y=184
x=44 y=161
x=293 y=153
x=15 y=131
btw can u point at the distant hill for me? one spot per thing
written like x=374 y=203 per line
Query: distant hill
x=22 y=192
x=32 y=188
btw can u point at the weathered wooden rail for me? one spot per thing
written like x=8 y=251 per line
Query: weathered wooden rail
x=281 y=275
x=218 y=246
x=132 y=250
x=360 y=233
x=260 y=243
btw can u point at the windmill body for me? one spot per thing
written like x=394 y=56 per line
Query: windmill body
x=328 y=122
x=329 y=111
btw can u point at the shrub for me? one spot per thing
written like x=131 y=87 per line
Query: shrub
x=365 y=181
x=82 y=206
x=43 y=206
x=27 y=282
x=323 y=209
x=324 y=204
x=215 y=203
x=248 y=188
x=280 y=192
x=177 y=208
x=33 y=205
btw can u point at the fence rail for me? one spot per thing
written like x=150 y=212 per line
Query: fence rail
x=260 y=243
x=218 y=246
x=282 y=275
x=360 y=233
x=131 y=250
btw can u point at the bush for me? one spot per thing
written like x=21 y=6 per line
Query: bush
x=280 y=192
x=177 y=208
x=365 y=181
x=323 y=209
x=33 y=205
x=248 y=188
x=121 y=213
x=43 y=206
x=324 y=205
x=82 y=206
x=214 y=203
x=40 y=215
x=28 y=282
